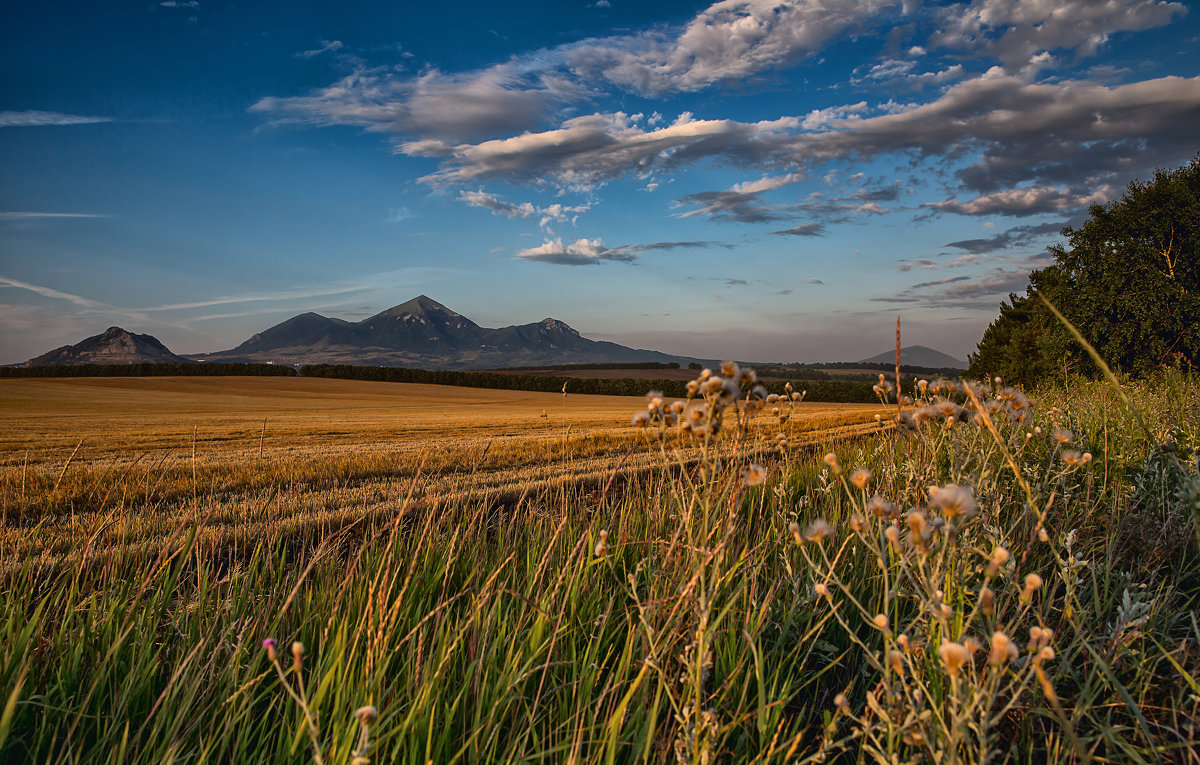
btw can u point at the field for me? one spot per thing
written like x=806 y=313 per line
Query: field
x=401 y=573
x=124 y=459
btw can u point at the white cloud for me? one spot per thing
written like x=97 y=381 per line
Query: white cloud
x=582 y=252
x=327 y=46
x=1024 y=201
x=1014 y=30
x=35 y=118
x=46 y=215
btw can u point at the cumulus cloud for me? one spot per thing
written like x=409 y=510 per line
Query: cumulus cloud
x=582 y=252
x=35 y=118
x=1024 y=201
x=1014 y=30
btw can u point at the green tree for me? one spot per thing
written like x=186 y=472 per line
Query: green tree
x=1128 y=278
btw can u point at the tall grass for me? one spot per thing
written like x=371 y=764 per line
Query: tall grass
x=1035 y=605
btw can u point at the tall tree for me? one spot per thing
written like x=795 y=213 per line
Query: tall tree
x=1128 y=278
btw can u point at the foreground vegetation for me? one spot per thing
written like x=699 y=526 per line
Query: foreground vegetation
x=993 y=580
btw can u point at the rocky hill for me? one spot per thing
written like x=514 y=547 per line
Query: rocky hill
x=113 y=346
x=424 y=333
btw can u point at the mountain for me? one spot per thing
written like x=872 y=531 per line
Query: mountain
x=113 y=346
x=918 y=356
x=425 y=333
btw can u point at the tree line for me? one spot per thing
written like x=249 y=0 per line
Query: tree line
x=1128 y=279
x=207 y=369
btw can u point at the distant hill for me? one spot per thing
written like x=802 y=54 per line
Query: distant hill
x=918 y=356
x=113 y=346
x=424 y=333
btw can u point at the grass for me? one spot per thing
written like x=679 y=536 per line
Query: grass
x=728 y=600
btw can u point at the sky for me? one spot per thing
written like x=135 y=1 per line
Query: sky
x=771 y=181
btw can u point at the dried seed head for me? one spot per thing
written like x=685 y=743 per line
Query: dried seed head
x=839 y=701
x=822 y=590
x=602 y=544
x=858 y=524
x=881 y=507
x=1043 y=536
x=366 y=715
x=796 y=535
x=1062 y=435
x=881 y=622
x=1003 y=650
x=987 y=599
x=818 y=530
x=896 y=660
x=1045 y=654
x=297 y=655
x=860 y=478
x=892 y=534
x=953 y=500
x=972 y=645
x=832 y=461
x=954 y=656
x=755 y=475
x=730 y=369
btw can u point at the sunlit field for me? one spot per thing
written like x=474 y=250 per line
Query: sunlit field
x=126 y=460
x=400 y=573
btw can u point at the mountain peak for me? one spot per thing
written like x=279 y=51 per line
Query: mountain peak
x=113 y=346
x=555 y=325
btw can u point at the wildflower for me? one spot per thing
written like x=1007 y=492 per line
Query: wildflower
x=916 y=523
x=902 y=641
x=924 y=386
x=1039 y=637
x=858 y=524
x=269 y=644
x=860 y=478
x=821 y=590
x=796 y=536
x=602 y=544
x=896 y=659
x=953 y=500
x=692 y=387
x=818 y=530
x=1045 y=654
x=972 y=645
x=799 y=396
x=759 y=393
x=366 y=715
x=747 y=376
x=892 y=534
x=1043 y=536
x=1032 y=583
x=730 y=369
x=1062 y=435
x=297 y=655
x=755 y=475
x=1003 y=650
x=832 y=461
x=881 y=622
x=839 y=701
x=1074 y=459
x=773 y=398
x=954 y=656
x=641 y=419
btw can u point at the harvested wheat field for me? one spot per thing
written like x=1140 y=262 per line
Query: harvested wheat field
x=125 y=461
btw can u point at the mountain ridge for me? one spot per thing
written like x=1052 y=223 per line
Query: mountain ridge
x=112 y=346
x=918 y=356
x=422 y=332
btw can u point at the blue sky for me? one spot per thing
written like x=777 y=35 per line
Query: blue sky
x=756 y=180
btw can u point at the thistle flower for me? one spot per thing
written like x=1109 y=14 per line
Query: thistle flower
x=987 y=599
x=1032 y=583
x=892 y=534
x=1074 y=459
x=298 y=655
x=818 y=530
x=755 y=475
x=860 y=477
x=1045 y=654
x=821 y=590
x=954 y=656
x=1003 y=650
x=640 y=420
x=797 y=537
x=972 y=645
x=366 y=715
x=896 y=659
x=748 y=376
x=730 y=369
x=1062 y=435
x=881 y=622
x=840 y=702
x=953 y=500
x=1043 y=535
x=602 y=545
x=269 y=644
x=832 y=461
x=858 y=524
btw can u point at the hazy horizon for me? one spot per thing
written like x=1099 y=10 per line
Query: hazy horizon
x=746 y=179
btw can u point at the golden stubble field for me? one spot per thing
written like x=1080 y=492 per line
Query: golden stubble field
x=118 y=464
